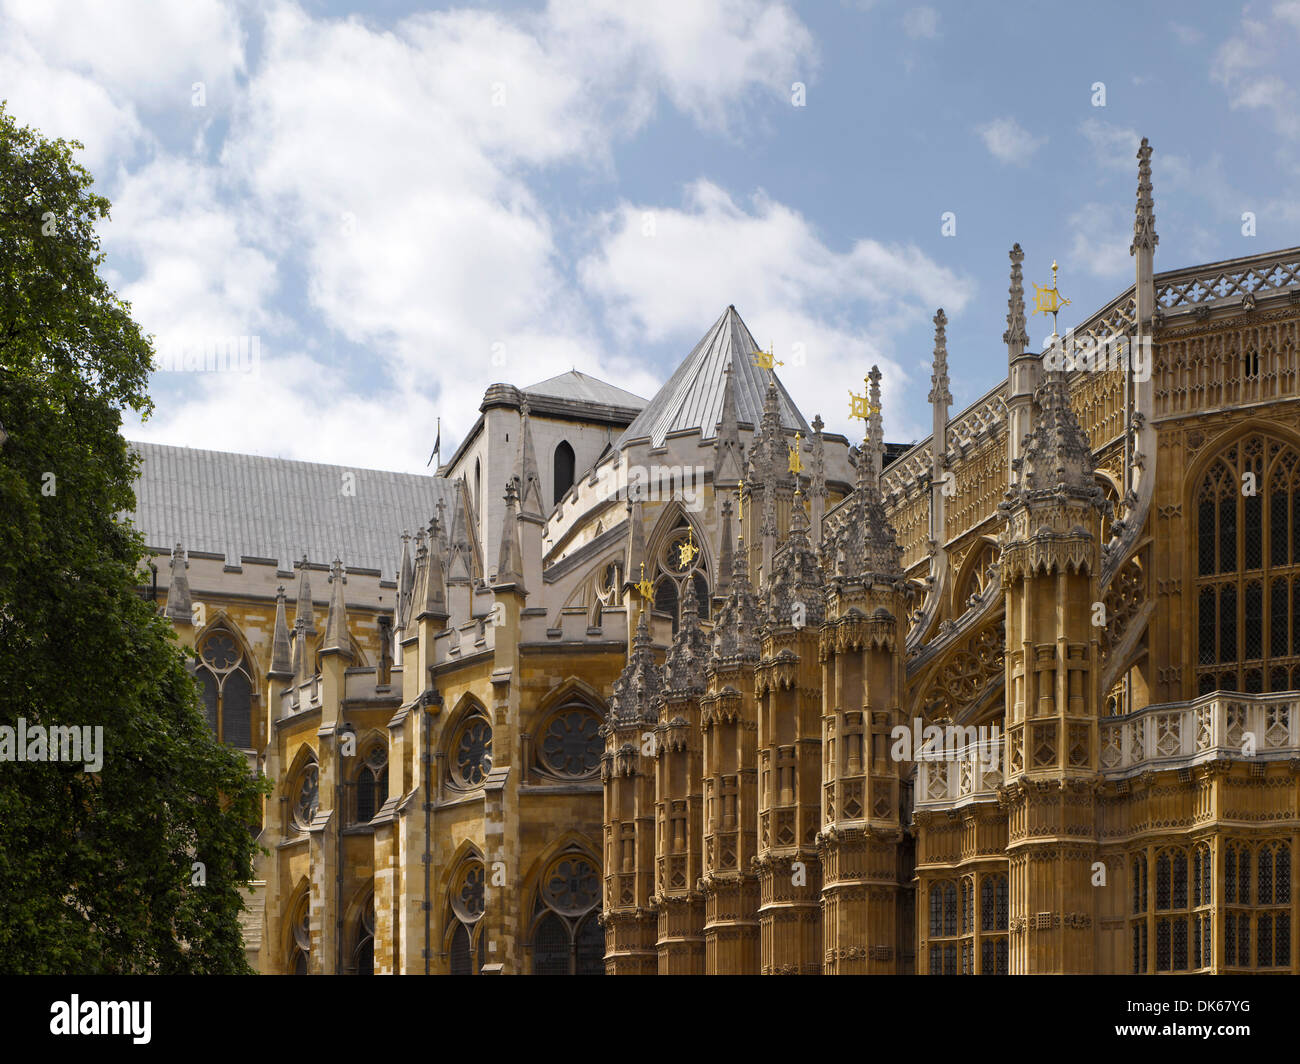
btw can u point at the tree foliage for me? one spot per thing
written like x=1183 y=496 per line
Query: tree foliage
x=95 y=867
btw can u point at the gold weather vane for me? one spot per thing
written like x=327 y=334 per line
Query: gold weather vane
x=766 y=359
x=644 y=587
x=687 y=551
x=796 y=461
x=1048 y=300
x=860 y=406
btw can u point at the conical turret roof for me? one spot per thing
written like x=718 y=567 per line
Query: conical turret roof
x=692 y=398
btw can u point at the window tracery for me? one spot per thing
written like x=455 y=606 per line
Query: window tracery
x=226 y=688
x=567 y=938
x=1248 y=569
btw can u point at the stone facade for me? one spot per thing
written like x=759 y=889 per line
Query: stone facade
x=742 y=698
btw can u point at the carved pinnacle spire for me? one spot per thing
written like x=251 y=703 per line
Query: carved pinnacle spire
x=510 y=566
x=1144 y=221
x=727 y=464
x=939 y=392
x=281 y=663
x=336 y=621
x=1017 y=336
x=638 y=687
x=302 y=608
x=530 y=490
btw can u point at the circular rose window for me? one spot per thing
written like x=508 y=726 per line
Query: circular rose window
x=571 y=744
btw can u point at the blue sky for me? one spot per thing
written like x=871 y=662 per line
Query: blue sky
x=406 y=202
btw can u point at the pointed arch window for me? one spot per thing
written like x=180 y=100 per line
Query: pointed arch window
x=566 y=937
x=226 y=688
x=679 y=559
x=300 y=930
x=467 y=941
x=563 y=471
x=471 y=751
x=363 y=957
x=372 y=782
x=1247 y=507
x=304 y=793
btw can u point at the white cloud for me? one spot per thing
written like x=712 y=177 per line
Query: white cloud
x=1256 y=68
x=1008 y=141
x=137 y=50
x=1100 y=238
x=921 y=22
x=788 y=285
x=1186 y=35
x=374 y=190
x=1111 y=146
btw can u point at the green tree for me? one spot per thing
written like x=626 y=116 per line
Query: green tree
x=95 y=867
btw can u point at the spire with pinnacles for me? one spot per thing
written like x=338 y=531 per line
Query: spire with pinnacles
x=510 y=566
x=281 y=658
x=530 y=490
x=434 y=601
x=687 y=657
x=868 y=547
x=728 y=465
x=636 y=691
x=1017 y=335
x=337 y=640
x=405 y=582
x=735 y=631
x=1144 y=221
x=939 y=392
x=302 y=608
x=797 y=582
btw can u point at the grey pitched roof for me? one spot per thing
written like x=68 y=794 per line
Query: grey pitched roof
x=582 y=388
x=243 y=505
x=692 y=398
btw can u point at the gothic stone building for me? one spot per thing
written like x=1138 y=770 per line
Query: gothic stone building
x=630 y=698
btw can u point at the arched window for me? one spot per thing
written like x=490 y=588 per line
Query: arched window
x=372 y=783
x=1248 y=569
x=478 y=497
x=470 y=757
x=979 y=574
x=569 y=744
x=304 y=793
x=566 y=937
x=564 y=470
x=227 y=690
x=467 y=945
x=678 y=559
x=300 y=929
x=364 y=955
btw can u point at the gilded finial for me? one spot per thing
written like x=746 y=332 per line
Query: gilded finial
x=740 y=501
x=687 y=551
x=796 y=460
x=644 y=587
